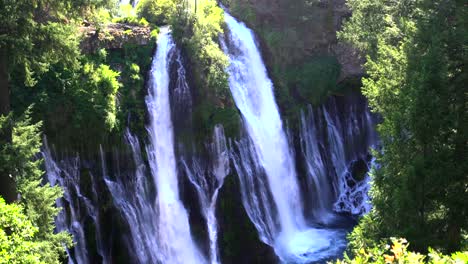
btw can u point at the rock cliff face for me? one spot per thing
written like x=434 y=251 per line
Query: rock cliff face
x=114 y=36
x=295 y=30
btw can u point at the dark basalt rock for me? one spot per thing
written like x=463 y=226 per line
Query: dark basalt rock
x=113 y=36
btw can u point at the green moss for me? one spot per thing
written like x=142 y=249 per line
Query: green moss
x=208 y=115
x=316 y=79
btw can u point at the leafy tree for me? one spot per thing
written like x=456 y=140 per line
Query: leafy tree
x=416 y=50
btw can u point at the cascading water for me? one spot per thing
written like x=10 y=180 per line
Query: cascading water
x=357 y=124
x=132 y=196
x=175 y=242
x=253 y=94
x=67 y=175
x=208 y=182
x=341 y=140
x=320 y=189
x=256 y=197
x=156 y=219
x=159 y=225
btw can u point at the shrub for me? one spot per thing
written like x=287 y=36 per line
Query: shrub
x=156 y=12
x=398 y=252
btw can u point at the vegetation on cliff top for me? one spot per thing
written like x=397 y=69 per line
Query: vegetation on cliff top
x=196 y=27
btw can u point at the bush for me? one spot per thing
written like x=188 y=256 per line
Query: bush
x=398 y=252
x=102 y=87
x=157 y=12
x=128 y=16
x=198 y=32
x=315 y=79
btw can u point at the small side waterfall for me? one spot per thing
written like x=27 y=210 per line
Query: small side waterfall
x=175 y=242
x=320 y=189
x=256 y=197
x=132 y=196
x=72 y=217
x=208 y=181
x=334 y=144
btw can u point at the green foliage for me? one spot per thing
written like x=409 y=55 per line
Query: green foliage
x=197 y=33
x=100 y=18
x=93 y=96
x=27 y=229
x=102 y=86
x=81 y=97
x=34 y=34
x=127 y=15
x=200 y=40
x=17 y=233
x=315 y=79
x=157 y=12
x=45 y=67
x=133 y=63
x=417 y=84
x=398 y=252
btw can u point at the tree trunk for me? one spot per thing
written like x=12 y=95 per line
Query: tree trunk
x=7 y=183
x=4 y=89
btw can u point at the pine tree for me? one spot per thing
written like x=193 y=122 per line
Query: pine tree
x=27 y=228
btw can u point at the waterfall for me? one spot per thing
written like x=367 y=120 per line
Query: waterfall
x=131 y=195
x=256 y=197
x=158 y=224
x=320 y=191
x=253 y=95
x=175 y=242
x=331 y=145
x=208 y=182
x=355 y=124
x=252 y=90
x=67 y=175
x=155 y=221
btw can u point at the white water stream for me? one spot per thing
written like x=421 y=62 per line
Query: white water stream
x=175 y=242
x=252 y=90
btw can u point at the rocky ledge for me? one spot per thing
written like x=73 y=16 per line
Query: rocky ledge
x=113 y=36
